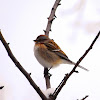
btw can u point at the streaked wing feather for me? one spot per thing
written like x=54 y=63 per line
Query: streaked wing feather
x=55 y=48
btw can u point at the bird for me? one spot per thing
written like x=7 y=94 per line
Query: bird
x=49 y=54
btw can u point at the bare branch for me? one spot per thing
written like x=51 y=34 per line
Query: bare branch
x=58 y=89
x=51 y=17
x=19 y=66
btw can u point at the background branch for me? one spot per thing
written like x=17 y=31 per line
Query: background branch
x=85 y=97
x=58 y=89
x=19 y=66
x=1 y=87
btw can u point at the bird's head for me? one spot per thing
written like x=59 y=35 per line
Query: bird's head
x=41 y=39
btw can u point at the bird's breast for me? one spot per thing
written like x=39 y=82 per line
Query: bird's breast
x=45 y=57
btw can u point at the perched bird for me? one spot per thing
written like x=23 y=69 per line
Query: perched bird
x=49 y=54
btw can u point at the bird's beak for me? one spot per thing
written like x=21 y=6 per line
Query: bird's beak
x=34 y=40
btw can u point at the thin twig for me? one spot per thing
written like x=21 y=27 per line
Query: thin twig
x=58 y=89
x=1 y=87
x=85 y=97
x=51 y=17
x=19 y=66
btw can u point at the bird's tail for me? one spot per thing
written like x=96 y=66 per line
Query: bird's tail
x=80 y=66
x=68 y=61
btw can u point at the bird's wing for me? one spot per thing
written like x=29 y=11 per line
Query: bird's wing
x=53 y=47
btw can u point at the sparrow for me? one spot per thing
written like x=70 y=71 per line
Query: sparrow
x=49 y=54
